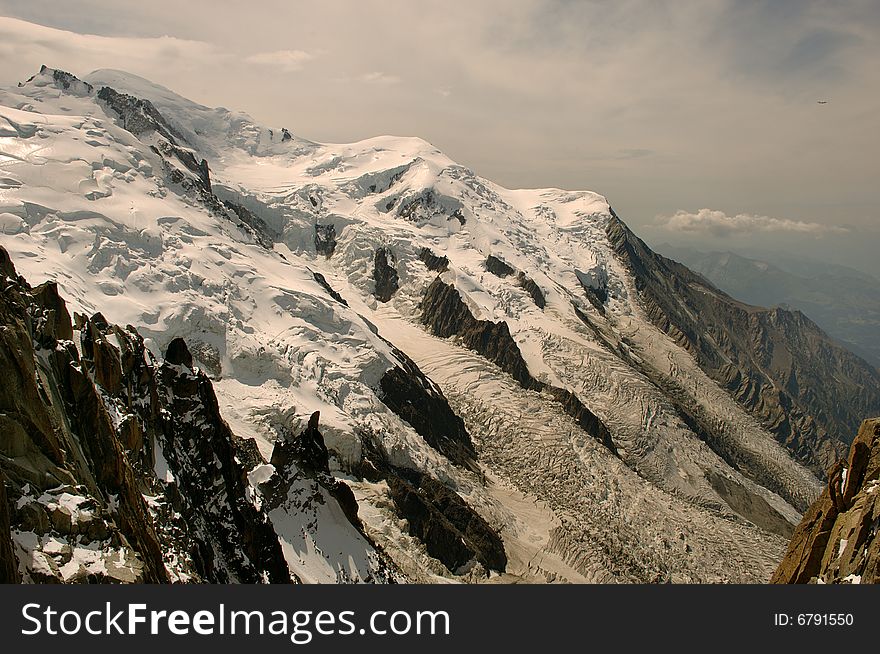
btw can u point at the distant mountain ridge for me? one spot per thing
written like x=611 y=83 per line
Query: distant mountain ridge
x=844 y=302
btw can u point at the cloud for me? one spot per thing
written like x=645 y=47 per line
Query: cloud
x=25 y=46
x=287 y=60
x=378 y=77
x=657 y=105
x=718 y=223
x=634 y=153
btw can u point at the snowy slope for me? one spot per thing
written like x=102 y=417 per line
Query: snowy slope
x=91 y=205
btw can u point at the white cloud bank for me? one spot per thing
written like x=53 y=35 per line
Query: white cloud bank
x=718 y=223
x=378 y=77
x=25 y=46
x=286 y=60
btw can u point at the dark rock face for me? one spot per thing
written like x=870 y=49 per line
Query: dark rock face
x=73 y=473
x=424 y=207
x=587 y=420
x=809 y=392
x=136 y=115
x=232 y=540
x=178 y=354
x=201 y=177
x=451 y=531
x=7 y=269
x=141 y=117
x=532 y=289
x=247 y=452
x=497 y=267
x=307 y=449
x=326 y=285
x=54 y=312
x=837 y=542
x=67 y=81
x=420 y=402
x=8 y=568
x=500 y=269
x=306 y=454
x=384 y=275
x=325 y=238
x=433 y=262
x=445 y=314
x=597 y=296
x=265 y=235
x=61 y=456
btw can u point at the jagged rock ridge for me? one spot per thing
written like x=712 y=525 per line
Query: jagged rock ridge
x=119 y=468
x=837 y=540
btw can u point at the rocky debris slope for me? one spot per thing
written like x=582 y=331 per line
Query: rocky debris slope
x=837 y=540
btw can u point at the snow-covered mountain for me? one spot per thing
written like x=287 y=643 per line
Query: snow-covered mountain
x=510 y=383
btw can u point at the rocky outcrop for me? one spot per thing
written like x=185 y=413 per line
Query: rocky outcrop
x=136 y=115
x=178 y=354
x=451 y=531
x=595 y=288
x=426 y=206
x=534 y=291
x=118 y=468
x=8 y=569
x=837 y=540
x=266 y=236
x=64 y=81
x=384 y=275
x=446 y=315
x=325 y=238
x=306 y=454
x=433 y=262
x=501 y=269
x=326 y=286
x=141 y=117
x=497 y=267
x=420 y=402
x=307 y=449
x=808 y=391
x=233 y=541
x=66 y=472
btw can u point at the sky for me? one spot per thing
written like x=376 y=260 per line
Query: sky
x=699 y=121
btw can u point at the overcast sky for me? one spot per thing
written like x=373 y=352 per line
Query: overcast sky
x=699 y=121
